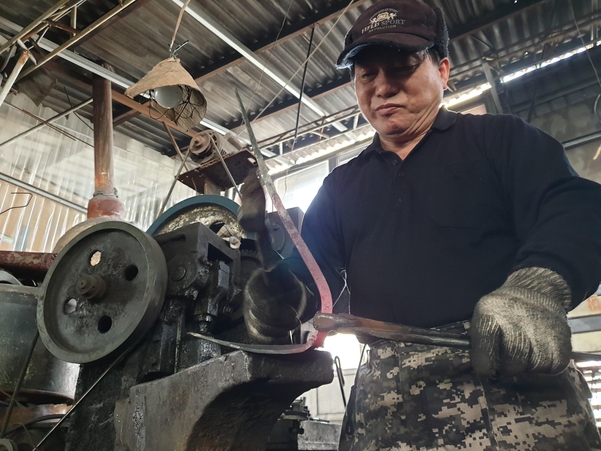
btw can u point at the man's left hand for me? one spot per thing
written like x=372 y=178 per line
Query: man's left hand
x=522 y=326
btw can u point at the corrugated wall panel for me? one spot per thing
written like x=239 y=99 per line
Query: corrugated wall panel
x=61 y=166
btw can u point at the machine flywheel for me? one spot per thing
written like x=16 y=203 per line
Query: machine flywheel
x=103 y=292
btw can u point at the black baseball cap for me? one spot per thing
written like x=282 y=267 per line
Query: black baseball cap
x=410 y=25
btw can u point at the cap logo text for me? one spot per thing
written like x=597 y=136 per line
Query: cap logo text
x=385 y=18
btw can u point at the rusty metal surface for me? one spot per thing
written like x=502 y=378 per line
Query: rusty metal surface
x=238 y=164
x=133 y=268
x=26 y=264
x=47 y=379
x=226 y=403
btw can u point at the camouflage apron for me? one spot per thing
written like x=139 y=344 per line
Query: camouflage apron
x=423 y=398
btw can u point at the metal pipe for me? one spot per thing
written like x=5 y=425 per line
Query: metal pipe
x=74 y=18
x=41 y=192
x=104 y=171
x=32 y=25
x=80 y=36
x=43 y=124
x=105 y=202
x=13 y=75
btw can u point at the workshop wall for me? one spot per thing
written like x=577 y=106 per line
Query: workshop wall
x=59 y=169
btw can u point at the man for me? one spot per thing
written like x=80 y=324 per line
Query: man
x=442 y=219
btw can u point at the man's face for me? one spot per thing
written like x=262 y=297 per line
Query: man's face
x=399 y=93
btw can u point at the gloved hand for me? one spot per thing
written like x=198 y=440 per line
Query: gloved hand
x=274 y=300
x=522 y=326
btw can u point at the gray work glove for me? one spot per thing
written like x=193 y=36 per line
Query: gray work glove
x=274 y=300
x=522 y=326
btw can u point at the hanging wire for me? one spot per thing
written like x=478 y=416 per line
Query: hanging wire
x=302 y=65
x=177 y=24
x=75 y=112
x=271 y=52
x=588 y=54
x=302 y=87
x=20 y=380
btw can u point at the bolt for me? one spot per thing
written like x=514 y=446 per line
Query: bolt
x=91 y=287
x=178 y=273
x=235 y=242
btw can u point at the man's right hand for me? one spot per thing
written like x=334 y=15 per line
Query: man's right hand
x=274 y=300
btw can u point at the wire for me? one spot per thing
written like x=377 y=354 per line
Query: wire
x=340 y=375
x=20 y=380
x=302 y=87
x=177 y=24
x=84 y=396
x=20 y=206
x=588 y=54
x=302 y=65
x=76 y=114
x=271 y=52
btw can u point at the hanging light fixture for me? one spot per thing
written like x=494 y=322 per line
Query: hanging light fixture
x=174 y=93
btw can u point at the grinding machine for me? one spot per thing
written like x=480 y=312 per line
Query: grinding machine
x=114 y=315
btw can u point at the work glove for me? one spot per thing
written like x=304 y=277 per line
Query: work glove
x=274 y=300
x=522 y=326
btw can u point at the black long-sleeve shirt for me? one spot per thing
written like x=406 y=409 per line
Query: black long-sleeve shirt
x=423 y=239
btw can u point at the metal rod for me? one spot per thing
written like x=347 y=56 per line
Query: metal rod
x=80 y=36
x=59 y=422
x=20 y=380
x=175 y=146
x=181 y=166
x=74 y=18
x=53 y=127
x=13 y=75
x=43 y=124
x=340 y=378
x=32 y=25
x=41 y=192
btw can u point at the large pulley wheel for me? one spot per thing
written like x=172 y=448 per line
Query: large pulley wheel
x=103 y=292
x=216 y=212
